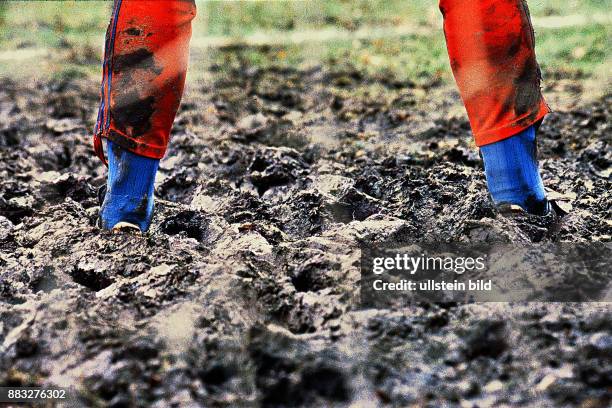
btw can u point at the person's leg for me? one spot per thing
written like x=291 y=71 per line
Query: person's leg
x=145 y=63
x=491 y=50
x=128 y=202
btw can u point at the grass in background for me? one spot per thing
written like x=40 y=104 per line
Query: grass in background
x=576 y=51
x=243 y=17
x=65 y=38
x=51 y=23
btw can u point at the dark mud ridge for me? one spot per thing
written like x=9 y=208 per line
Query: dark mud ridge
x=245 y=292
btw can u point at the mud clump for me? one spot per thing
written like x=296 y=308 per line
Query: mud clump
x=245 y=292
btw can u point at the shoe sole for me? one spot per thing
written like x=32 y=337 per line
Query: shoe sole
x=509 y=210
x=122 y=226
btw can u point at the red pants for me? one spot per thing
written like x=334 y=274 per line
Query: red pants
x=491 y=50
x=145 y=63
x=490 y=46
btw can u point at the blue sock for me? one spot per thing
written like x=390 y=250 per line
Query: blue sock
x=129 y=193
x=511 y=169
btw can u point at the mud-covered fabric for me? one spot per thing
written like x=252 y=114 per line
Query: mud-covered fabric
x=490 y=45
x=145 y=63
x=491 y=50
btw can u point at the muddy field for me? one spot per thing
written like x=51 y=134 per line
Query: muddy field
x=246 y=290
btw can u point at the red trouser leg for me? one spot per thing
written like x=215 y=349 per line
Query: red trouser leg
x=491 y=49
x=145 y=62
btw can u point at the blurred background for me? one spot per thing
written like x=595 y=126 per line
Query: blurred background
x=397 y=38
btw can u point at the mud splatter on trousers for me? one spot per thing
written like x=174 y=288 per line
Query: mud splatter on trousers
x=145 y=63
x=490 y=45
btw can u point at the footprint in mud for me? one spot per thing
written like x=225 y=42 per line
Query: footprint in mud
x=190 y=223
x=275 y=167
x=91 y=276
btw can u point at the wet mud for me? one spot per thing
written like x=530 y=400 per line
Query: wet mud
x=246 y=290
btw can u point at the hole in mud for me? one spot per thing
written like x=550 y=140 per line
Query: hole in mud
x=191 y=223
x=91 y=279
x=328 y=382
x=303 y=282
x=9 y=137
x=45 y=283
x=259 y=164
x=26 y=347
x=16 y=202
x=216 y=374
x=314 y=276
x=353 y=205
x=276 y=167
x=487 y=338
x=15 y=215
